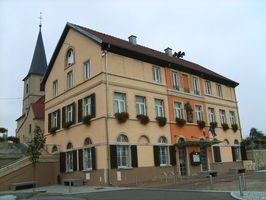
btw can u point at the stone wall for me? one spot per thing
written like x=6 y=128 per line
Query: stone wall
x=258 y=158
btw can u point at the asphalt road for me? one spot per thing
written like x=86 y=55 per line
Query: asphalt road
x=155 y=195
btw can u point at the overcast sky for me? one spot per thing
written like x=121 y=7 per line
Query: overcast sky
x=228 y=37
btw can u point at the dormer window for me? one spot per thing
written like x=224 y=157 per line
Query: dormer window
x=70 y=57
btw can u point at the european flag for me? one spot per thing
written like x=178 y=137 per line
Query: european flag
x=212 y=131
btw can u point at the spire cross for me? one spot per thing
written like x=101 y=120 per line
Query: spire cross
x=40 y=20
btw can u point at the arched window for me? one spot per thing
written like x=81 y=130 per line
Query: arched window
x=69 y=158
x=163 y=152
x=88 y=154
x=122 y=138
x=236 y=142
x=54 y=149
x=226 y=141
x=87 y=141
x=122 y=152
x=70 y=57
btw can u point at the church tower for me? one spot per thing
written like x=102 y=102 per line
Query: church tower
x=32 y=90
x=33 y=95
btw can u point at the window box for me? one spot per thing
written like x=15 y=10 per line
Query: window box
x=87 y=119
x=213 y=124
x=122 y=117
x=144 y=119
x=161 y=121
x=68 y=124
x=53 y=130
x=201 y=124
x=225 y=126
x=180 y=122
x=234 y=127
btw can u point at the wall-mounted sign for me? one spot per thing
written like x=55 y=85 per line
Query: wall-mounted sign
x=195 y=158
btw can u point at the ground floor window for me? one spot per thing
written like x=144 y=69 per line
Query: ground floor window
x=88 y=159
x=163 y=156
x=122 y=156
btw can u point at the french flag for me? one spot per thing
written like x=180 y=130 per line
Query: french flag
x=212 y=131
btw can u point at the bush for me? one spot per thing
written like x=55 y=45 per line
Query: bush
x=122 y=117
x=68 y=124
x=180 y=122
x=234 y=127
x=2 y=139
x=13 y=139
x=161 y=121
x=201 y=124
x=213 y=124
x=144 y=119
x=225 y=126
x=87 y=120
x=53 y=130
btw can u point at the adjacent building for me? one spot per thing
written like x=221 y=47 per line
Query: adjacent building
x=33 y=96
x=118 y=112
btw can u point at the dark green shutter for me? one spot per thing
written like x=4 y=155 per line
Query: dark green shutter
x=156 y=155
x=113 y=155
x=93 y=153
x=233 y=153
x=74 y=160
x=80 y=159
x=93 y=106
x=172 y=155
x=134 y=156
x=58 y=119
x=63 y=116
x=74 y=112
x=243 y=153
x=62 y=161
x=49 y=121
x=217 y=154
x=80 y=115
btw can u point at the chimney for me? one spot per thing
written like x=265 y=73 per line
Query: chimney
x=168 y=51
x=132 y=39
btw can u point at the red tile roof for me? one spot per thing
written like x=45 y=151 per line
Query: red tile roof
x=38 y=108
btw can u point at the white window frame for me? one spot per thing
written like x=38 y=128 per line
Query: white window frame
x=54 y=119
x=87 y=106
x=211 y=114
x=178 y=109
x=175 y=80
x=86 y=70
x=55 y=88
x=156 y=72
x=208 y=88
x=70 y=80
x=222 y=116
x=123 y=152
x=219 y=90
x=69 y=161
x=164 y=156
x=119 y=104
x=232 y=117
x=140 y=106
x=196 y=87
x=199 y=113
x=87 y=158
x=70 y=57
x=69 y=113
x=159 y=108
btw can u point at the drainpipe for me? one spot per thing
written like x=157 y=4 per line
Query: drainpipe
x=106 y=119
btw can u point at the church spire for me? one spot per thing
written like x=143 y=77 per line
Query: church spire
x=38 y=63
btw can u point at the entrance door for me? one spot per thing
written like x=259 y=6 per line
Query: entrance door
x=182 y=155
x=204 y=158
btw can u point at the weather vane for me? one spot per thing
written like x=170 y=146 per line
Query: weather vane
x=40 y=20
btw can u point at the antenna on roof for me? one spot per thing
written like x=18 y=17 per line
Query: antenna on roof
x=40 y=25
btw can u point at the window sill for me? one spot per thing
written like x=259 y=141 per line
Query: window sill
x=70 y=171
x=124 y=168
x=166 y=165
x=87 y=170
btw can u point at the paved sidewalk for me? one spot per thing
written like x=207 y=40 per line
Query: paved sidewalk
x=249 y=195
